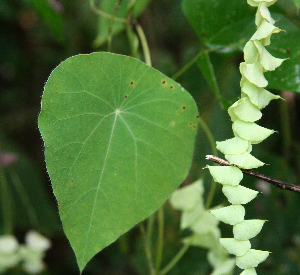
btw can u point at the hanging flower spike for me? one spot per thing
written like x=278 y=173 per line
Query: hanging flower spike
x=237 y=150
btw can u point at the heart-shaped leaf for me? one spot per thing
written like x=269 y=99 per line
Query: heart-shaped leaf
x=119 y=138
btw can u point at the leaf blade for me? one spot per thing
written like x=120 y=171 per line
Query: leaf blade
x=119 y=139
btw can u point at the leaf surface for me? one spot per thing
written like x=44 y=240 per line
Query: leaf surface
x=119 y=138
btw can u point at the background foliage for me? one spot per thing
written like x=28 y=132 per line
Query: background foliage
x=36 y=37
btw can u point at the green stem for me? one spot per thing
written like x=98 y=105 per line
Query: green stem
x=212 y=143
x=6 y=201
x=106 y=15
x=147 y=248
x=177 y=257
x=144 y=43
x=160 y=242
x=24 y=198
x=209 y=136
x=208 y=72
x=211 y=194
x=111 y=22
x=149 y=233
x=186 y=66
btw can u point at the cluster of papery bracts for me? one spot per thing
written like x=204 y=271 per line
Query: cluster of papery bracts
x=237 y=150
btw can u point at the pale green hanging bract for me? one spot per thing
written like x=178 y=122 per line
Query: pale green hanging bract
x=244 y=113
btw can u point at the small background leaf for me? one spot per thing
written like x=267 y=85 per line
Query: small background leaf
x=119 y=138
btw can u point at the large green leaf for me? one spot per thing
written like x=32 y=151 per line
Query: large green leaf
x=221 y=24
x=108 y=6
x=119 y=138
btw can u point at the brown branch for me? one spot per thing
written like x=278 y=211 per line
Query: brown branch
x=278 y=183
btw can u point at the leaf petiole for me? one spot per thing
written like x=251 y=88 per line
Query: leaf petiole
x=106 y=15
x=144 y=43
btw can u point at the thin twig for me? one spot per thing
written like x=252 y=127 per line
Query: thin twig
x=160 y=242
x=178 y=256
x=212 y=143
x=106 y=15
x=278 y=183
x=187 y=66
x=144 y=43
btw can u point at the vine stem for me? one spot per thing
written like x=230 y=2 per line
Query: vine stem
x=177 y=257
x=187 y=66
x=149 y=233
x=147 y=245
x=286 y=129
x=144 y=43
x=160 y=242
x=106 y=15
x=212 y=143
